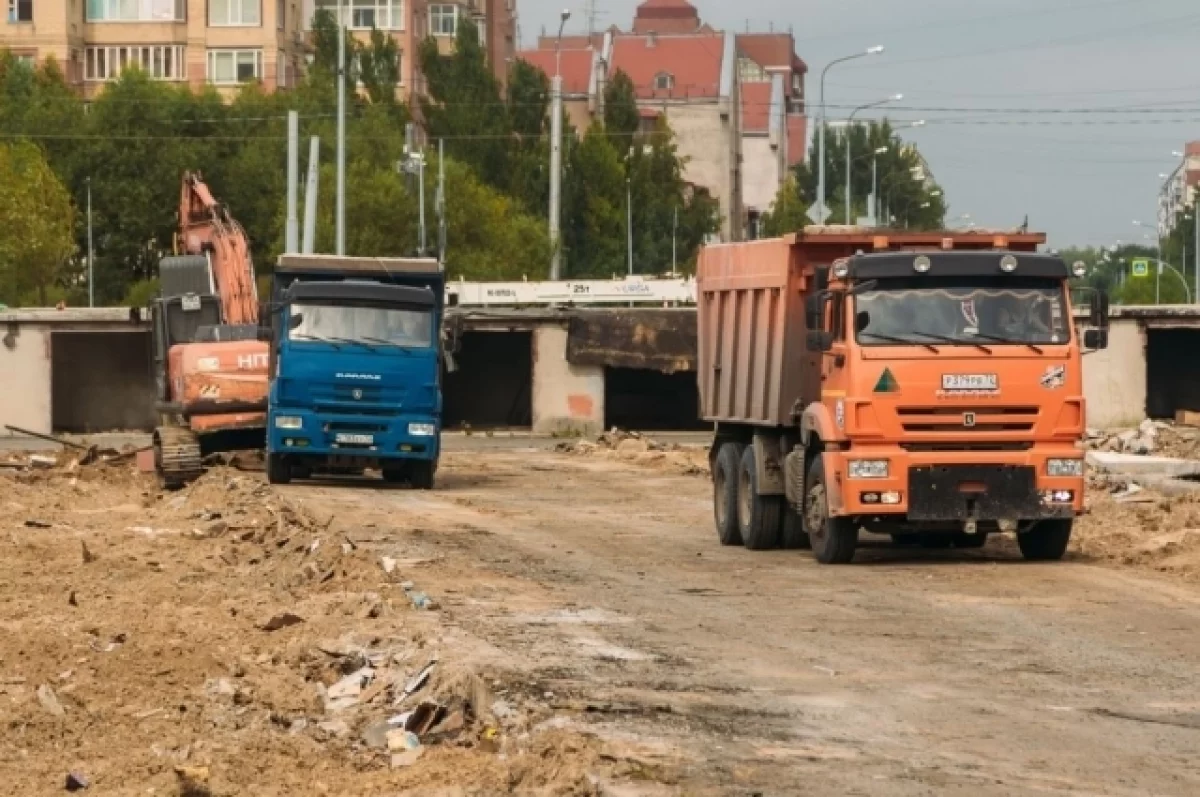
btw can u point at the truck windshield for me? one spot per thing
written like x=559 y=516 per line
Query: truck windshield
x=997 y=311
x=370 y=325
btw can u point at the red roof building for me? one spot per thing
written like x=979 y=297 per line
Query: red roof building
x=666 y=16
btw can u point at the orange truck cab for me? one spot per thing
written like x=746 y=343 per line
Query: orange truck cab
x=926 y=386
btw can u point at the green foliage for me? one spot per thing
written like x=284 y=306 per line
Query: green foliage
x=621 y=117
x=379 y=67
x=325 y=50
x=787 y=214
x=36 y=227
x=901 y=194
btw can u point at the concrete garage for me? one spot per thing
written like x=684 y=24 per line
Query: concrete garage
x=77 y=370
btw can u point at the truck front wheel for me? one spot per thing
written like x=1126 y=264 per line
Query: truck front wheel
x=421 y=475
x=1046 y=541
x=278 y=469
x=725 y=501
x=760 y=518
x=833 y=538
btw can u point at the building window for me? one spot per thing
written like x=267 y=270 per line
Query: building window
x=664 y=81
x=161 y=62
x=367 y=14
x=234 y=66
x=443 y=20
x=26 y=59
x=136 y=10
x=20 y=10
x=225 y=13
x=750 y=71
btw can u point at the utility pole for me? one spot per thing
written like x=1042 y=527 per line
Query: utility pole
x=629 y=221
x=310 y=195
x=340 y=248
x=556 y=154
x=91 y=252
x=849 y=146
x=674 y=238
x=292 y=233
x=822 y=209
x=441 y=201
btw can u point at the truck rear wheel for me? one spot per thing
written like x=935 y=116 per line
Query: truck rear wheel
x=833 y=538
x=725 y=481
x=794 y=537
x=759 y=517
x=278 y=469
x=1046 y=541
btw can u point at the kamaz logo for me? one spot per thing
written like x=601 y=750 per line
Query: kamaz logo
x=372 y=377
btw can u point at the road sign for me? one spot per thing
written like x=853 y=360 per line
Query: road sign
x=819 y=212
x=1140 y=268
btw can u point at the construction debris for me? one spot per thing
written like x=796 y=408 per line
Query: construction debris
x=690 y=460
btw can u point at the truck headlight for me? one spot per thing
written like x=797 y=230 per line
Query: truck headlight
x=289 y=422
x=422 y=429
x=1064 y=467
x=868 y=469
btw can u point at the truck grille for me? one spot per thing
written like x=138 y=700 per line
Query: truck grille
x=967 y=419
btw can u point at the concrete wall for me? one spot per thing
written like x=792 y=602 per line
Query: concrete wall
x=703 y=139
x=25 y=377
x=760 y=172
x=1114 y=380
x=566 y=398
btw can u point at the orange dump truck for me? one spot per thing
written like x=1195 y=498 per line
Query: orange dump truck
x=926 y=386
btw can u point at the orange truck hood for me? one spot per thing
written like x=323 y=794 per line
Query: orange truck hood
x=962 y=394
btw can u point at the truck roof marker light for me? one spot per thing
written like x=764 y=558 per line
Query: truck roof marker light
x=887 y=383
x=922 y=264
x=1008 y=264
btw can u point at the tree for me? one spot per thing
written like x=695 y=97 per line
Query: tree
x=593 y=229
x=529 y=104
x=379 y=67
x=907 y=200
x=464 y=106
x=621 y=117
x=37 y=235
x=788 y=212
x=325 y=50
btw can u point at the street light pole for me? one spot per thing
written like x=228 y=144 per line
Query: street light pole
x=629 y=221
x=340 y=238
x=91 y=253
x=556 y=154
x=822 y=207
x=875 y=184
x=849 y=131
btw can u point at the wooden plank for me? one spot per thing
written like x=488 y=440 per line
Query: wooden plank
x=1187 y=418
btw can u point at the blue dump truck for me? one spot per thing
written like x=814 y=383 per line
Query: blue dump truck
x=355 y=368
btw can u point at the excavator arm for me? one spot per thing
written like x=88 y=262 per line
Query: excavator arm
x=207 y=228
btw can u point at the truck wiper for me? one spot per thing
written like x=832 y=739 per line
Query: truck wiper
x=905 y=341
x=995 y=339
x=318 y=338
x=953 y=341
x=383 y=342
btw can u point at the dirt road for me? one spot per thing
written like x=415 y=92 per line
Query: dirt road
x=913 y=672
x=607 y=644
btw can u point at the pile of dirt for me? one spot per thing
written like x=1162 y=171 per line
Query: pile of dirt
x=1157 y=438
x=223 y=640
x=1131 y=526
x=685 y=460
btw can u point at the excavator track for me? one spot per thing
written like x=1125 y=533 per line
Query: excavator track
x=177 y=456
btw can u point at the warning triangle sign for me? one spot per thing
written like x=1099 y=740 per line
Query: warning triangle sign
x=887 y=383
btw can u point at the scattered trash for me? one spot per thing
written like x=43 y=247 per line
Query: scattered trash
x=42 y=463
x=193 y=780
x=49 y=700
x=388 y=564
x=335 y=728
x=350 y=686
x=88 y=556
x=422 y=718
x=407 y=758
x=375 y=735
x=400 y=740
x=38 y=524
x=76 y=781
x=419 y=600
x=418 y=681
x=210 y=530
x=71 y=600
x=281 y=621
x=116 y=642
x=489 y=740
x=827 y=670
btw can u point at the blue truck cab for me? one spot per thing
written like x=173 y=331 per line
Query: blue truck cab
x=355 y=368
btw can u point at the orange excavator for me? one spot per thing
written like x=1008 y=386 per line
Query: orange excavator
x=210 y=365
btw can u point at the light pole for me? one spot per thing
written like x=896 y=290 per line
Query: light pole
x=629 y=222
x=556 y=152
x=849 y=132
x=1158 y=252
x=340 y=237
x=875 y=184
x=91 y=253
x=822 y=208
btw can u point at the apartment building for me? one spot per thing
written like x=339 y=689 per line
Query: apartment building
x=225 y=43
x=1178 y=191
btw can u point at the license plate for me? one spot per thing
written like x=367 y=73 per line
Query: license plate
x=355 y=439
x=190 y=303
x=970 y=382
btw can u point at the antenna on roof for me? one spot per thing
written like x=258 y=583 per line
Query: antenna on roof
x=590 y=13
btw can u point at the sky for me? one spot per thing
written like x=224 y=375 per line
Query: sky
x=1065 y=111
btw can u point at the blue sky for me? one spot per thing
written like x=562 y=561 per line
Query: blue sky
x=983 y=74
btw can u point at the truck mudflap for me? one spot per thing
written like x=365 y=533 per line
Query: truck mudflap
x=978 y=492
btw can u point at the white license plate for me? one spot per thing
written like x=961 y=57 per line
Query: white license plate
x=355 y=439
x=190 y=303
x=970 y=382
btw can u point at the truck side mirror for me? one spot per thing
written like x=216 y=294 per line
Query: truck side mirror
x=1099 y=310
x=295 y=321
x=819 y=340
x=1095 y=339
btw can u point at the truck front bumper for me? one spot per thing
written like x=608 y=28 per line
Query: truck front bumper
x=960 y=486
x=353 y=438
